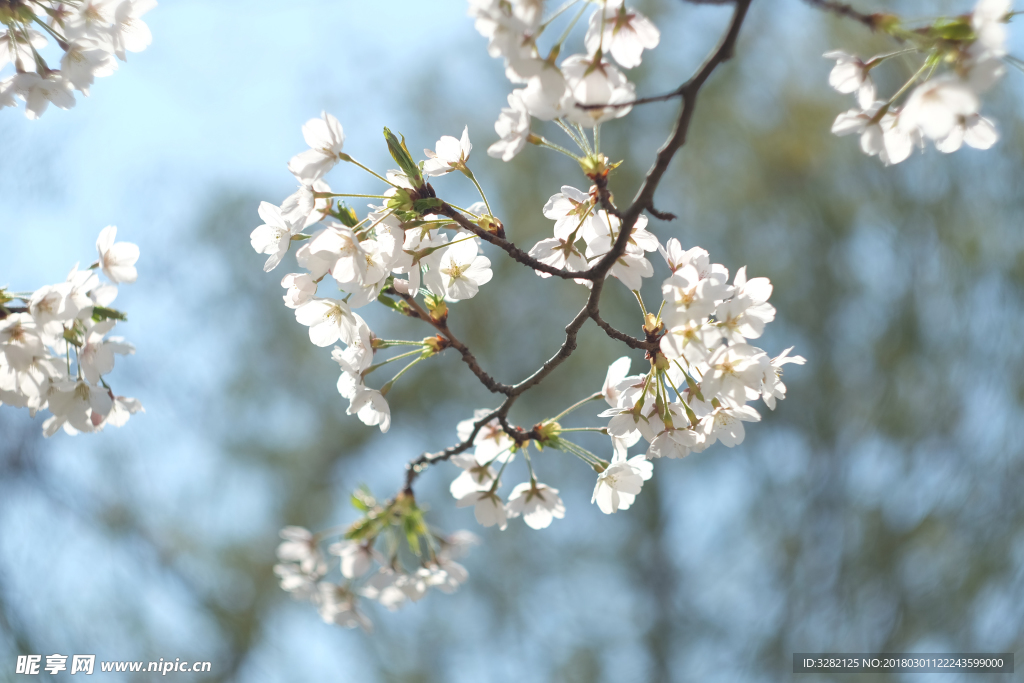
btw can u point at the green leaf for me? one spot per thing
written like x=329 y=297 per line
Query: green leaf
x=425 y=205
x=346 y=215
x=400 y=153
x=101 y=313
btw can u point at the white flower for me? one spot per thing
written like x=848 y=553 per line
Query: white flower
x=337 y=605
x=546 y=96
x=356 y=558
x=96 y=357
x=989 y=23
x=451 y=155
x=38 y=92
x=937 y=106
x=383 y=588
x=329 y=320
x=7 y=93
x=624 y=32
x=688 y=297
x=735 y=374
x=772 y=388
x=849 y=75
x=301 y=288
x=537 y=503
x=274 y=236
x=594 y=81
x=488 y=508
x=371 y=407
x=80 y=405
x=300 y=546
x=117 y=260
x=745 y=315
x=304 y=208
x=475 y=476
x=83 y=61
x=299 y=584
x=883 y=137
x=52 y=303
x=20 y=50
x=977 y=131
x=692 y=341
x=129 y=31
x=725 y=424
x=571 y=210
x=339 y=246
x=512 y=127
x=326 y=139
x=619 y=484
x=617 y=372
x=491 y=441
x=123 y=408
x=463 y=269
x=673 y=443
x=559 y=253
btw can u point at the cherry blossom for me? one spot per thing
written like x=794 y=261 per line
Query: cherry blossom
x=537 y=503
x=620 y=483
x=329 y=320
x=117 y=259
x=595 y=81
x=512 y=127
x=464 y=269
x=488 y=508
x=451 y=155
x=851 y=75
x=623 y=32
x=274 y=236
x=326 y=138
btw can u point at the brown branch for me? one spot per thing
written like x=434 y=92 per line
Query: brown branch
x=511 y=249
x=631 y=342
x=6 y=311
x=596 y=273
x=467 y=355
x=844 y=10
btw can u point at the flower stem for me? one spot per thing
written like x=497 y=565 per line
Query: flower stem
x=480 y=190
x=574 y=406
x=346 y=157
x=400 y=356
x=387 y=387
x=544 y=142
x=325 y=195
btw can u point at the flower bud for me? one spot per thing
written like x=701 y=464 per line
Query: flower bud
x=435 y=344
x=437 y=308
x=492 y=225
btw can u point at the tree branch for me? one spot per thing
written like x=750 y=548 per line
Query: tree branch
x=511 y=249
x=596 y=273
x=845 y=10
x=467 y=355
x=631 y=342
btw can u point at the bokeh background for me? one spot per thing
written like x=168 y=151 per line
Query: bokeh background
x=879 y=509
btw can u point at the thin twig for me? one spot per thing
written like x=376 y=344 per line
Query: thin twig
x=467 y=355
x=845 y=10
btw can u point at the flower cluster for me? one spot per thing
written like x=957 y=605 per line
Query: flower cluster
x=93 y=35
x=410 y=559
x=399 y=248
x=942 y=106
x=57 y=322
x=583 y=89
x=694 y=394
x=578 y=216
x=417 y=254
